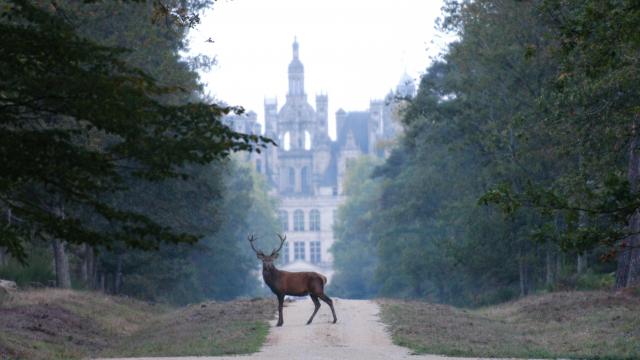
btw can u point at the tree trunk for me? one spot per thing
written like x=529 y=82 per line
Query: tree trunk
x=523 y=288
x=4 y=258
x=624 y=256
x=628 y=271
x=94 y=269
x=633 y=277
x=548 y=265
x=523 y=274
x=87 y=266
x=559 y=265
x=581 y=262
x=61 y=261
x=118 y=276
x=84 y=266
x=102 y=282
x=60 y=258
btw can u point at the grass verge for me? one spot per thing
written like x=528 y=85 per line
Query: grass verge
x=64 y=324
x=584 y=325
x=214 y=328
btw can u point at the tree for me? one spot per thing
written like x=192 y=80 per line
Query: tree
x=354 y=251
x=77 y=121
x=480 y=132
x=592 y=114
x=222 y=202
x=599 y=53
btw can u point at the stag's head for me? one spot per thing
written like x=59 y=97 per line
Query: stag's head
x=267 y=260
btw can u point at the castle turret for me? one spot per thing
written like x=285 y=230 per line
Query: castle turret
x=296 y=75
x=270 y=116
x=341 y=117
x=271 y=131
x=297 y=123
x=322 y=115
x=406 y=87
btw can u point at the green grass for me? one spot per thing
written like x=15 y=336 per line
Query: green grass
x=585 y=325
x=64 y=324
x=207 y=343
x=216 y=328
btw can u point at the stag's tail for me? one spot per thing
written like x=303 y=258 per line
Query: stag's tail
x=324 y=279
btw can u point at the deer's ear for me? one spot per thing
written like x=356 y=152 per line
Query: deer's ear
x=260 y=256
x=275 y=256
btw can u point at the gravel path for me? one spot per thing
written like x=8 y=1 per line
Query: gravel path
x=358 y=335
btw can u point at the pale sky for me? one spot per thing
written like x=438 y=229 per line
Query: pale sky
x=352 y=50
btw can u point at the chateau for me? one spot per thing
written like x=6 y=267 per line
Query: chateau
x=307 y=170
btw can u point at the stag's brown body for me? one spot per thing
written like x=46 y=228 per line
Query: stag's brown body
x=284 y=283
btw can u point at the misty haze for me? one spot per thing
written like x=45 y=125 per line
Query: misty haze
x=294 y=179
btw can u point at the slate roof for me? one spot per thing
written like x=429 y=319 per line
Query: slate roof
x=358 y=123
x=330 y=176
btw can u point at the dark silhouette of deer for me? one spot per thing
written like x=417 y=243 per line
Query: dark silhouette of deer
x=292 y=283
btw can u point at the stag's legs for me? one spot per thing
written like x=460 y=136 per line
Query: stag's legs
x=316 y=302
x=280 y=305
x=328 y=300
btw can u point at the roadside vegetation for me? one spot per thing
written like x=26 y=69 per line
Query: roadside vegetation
x=67 y=324
x=577 y=325
x=517 y=169
x=118 y=172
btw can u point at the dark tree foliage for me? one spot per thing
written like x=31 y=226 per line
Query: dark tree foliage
x=592 y=119
x=518 y=166
x=354 y=252
x=223 y=203
x=78 y=122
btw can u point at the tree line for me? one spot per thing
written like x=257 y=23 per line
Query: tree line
x=518 y=168
x=116 y=171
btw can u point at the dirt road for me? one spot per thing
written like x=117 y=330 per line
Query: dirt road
x=357 y=335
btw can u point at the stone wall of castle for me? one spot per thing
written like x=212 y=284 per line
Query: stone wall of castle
x=307 y=169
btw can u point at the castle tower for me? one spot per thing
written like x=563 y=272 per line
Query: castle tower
x=376 y=125
x=406 y=87
x=296 y=75
x=271 y=131
x=348 y=154
x=297 y=124
x=270 y=116
x=322 y=114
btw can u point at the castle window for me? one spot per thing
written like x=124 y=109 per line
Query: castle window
x=307 y=140
x=284 y=220
x=285 y=253
x=314 y=252
x=292 y=178
x=286 y=139
x=314 y=220
x=298 y=220
x=298 y=250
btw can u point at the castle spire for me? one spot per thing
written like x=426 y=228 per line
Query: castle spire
x=295 y=47
x=296 y=73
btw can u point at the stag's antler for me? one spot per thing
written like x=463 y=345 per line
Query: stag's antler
x=282 y=240
x=251 y=239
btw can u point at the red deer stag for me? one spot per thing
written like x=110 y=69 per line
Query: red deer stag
x=292 y=283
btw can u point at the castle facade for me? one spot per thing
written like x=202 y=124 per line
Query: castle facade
x=306 y=171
